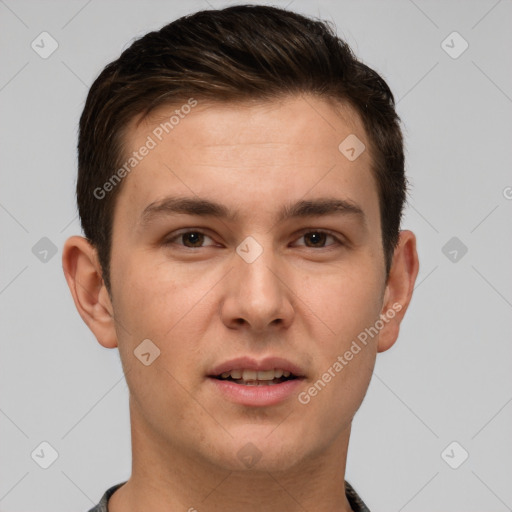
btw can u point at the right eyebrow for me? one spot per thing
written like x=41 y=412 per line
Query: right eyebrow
x=186 y=206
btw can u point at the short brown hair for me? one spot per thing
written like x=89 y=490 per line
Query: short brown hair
x=237 y=53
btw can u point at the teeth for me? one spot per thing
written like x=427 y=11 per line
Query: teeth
x=249 y=375
x=252 y=377
x=266 y=375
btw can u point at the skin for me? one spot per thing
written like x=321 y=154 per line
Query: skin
x=305 y=298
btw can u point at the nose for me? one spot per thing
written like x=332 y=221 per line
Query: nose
x=258 y=295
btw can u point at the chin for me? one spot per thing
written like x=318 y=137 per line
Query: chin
x=265 y=449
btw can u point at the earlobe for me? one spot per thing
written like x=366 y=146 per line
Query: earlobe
x=83 y=275
x=399 y=289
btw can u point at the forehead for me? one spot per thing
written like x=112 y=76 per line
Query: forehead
x=255 y=128
x=250 y=154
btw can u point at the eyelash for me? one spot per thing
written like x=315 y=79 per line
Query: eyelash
x=170 y=241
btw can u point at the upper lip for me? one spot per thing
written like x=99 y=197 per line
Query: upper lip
x=250 y=363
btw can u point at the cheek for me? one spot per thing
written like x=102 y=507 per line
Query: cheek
x=153 y=305
x=169 y=306
x=344 y=300
x=346 y=305
x=152 y=295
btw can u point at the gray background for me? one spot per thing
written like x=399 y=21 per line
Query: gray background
x=448 y=377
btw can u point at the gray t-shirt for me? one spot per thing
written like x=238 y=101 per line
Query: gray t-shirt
x=356 y=503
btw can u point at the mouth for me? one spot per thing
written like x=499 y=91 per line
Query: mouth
x=246 y=377
x=249 y=382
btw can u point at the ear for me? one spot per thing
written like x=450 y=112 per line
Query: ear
x=399 y=288
x=84 y=277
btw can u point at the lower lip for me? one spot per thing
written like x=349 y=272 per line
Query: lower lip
x=257 y=396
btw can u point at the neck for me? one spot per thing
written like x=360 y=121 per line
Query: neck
x=167 y=478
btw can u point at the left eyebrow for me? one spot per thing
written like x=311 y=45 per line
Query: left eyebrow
x=319 y=208
x=204 y=207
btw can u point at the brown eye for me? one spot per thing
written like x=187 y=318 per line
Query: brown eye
x=317 y=238
x=189 y=239
x=195 y=238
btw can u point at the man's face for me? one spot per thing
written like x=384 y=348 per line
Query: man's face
x=298 y=289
